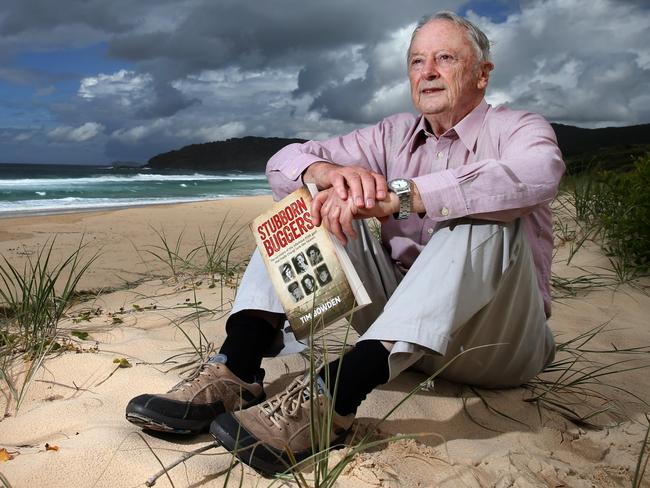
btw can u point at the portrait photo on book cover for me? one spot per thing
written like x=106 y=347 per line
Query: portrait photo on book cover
x=323 y=275
x=308 y=284
x=300 y=263
x=287 y=272
x=314 y=255
x=296 y=292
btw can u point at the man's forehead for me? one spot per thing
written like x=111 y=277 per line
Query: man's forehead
x=440 y=33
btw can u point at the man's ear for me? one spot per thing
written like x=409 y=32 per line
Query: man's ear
x=484 y=74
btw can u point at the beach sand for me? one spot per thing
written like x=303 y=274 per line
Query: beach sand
x=462 y=437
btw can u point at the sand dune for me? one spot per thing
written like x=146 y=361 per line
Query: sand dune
x=460 y=439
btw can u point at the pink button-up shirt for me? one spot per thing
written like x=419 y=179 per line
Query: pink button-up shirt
x=495 y=164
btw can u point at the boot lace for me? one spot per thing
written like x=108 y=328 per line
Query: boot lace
x=191 y=380
x=281 y=408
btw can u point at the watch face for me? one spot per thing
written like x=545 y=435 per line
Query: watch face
x=398 y=185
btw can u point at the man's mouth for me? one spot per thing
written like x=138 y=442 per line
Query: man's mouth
x=429 y=91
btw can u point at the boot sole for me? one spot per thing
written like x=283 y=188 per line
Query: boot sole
x=148 y=419
x=148 y=423
x=152 y=420
x=264 y=459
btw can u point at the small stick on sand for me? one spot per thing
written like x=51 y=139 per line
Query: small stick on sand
x=152 y=480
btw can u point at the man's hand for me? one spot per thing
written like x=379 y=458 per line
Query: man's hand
x=362 y=186
x=337 y=213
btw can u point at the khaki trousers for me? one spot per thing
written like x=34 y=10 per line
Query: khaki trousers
x=472 y=285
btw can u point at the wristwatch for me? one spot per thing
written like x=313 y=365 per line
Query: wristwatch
x=402 y=188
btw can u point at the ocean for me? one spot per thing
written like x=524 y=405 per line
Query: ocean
x=27 y=189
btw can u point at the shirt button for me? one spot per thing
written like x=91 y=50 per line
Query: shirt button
x=439 y=155
x=430 y=231
x=444 y=211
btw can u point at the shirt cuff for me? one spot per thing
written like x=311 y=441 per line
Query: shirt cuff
x=294 y=168
x=441 y=195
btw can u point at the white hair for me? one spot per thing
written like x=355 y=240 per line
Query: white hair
x=476 y=36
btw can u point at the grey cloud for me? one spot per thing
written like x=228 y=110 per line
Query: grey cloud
x=219 y=34
x=316 y=40
x=35 y=147
x=118 y=150
x=343 y=101
x=571 y=65
x=166 y=102
x=23 y=15
x=314 y=69
x=608 y=94
x=325 y=69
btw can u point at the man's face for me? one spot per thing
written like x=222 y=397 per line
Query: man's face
x=447 y=81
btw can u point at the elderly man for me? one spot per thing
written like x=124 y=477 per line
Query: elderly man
x=461 y=270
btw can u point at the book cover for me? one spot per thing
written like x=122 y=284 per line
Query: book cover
x=310 y=270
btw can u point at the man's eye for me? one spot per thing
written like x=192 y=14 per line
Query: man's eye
x=445 y=58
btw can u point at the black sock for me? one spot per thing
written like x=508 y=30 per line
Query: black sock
x=248 y=338
x=362 y=369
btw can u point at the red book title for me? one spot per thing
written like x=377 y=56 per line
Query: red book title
x=285 y=226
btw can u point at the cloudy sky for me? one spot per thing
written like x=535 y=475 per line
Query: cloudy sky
x=93 y=81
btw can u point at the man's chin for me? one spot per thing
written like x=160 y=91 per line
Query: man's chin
x=432 y=109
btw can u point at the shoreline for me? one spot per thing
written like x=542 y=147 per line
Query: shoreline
x=126 y=237
x=103 y=208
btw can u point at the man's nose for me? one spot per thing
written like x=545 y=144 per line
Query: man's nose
x=430 y=70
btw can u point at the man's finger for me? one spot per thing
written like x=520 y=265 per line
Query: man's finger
x=381 y=187
x=369 y=196
x=338 y=182
x=346 y=224
x=317 y=208
x=353 y=179
x=335 y=226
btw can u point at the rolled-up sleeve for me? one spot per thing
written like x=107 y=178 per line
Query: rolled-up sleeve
x=368 y=147
x=284 y=170
x=526 y=174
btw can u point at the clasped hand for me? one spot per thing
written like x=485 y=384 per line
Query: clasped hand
x=347 y=193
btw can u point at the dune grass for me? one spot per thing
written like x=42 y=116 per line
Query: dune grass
x=580 y=383
x=34 y=298
x=4 y=481
x=612 y=209
x=643 y=458
x=211 y=258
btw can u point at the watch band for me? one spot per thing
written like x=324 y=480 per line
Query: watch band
x=402 y=188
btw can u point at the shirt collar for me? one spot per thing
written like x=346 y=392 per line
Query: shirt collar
x=469 y=128
x=466 y=130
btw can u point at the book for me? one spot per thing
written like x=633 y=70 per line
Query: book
x=312 y=274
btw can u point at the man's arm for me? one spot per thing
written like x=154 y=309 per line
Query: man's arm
x=367 y=149
x=362 y=186
x=337 y=213
x=526 y=174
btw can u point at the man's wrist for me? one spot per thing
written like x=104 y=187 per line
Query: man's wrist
x=394 y=203
x=314 y=173
x=402 y=188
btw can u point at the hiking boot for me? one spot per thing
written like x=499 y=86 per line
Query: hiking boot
x=262 y=436
x=190 y=406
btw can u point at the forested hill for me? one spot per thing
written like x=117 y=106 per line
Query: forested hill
x=576 y=140
x=252 y=153
x=244 y=154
